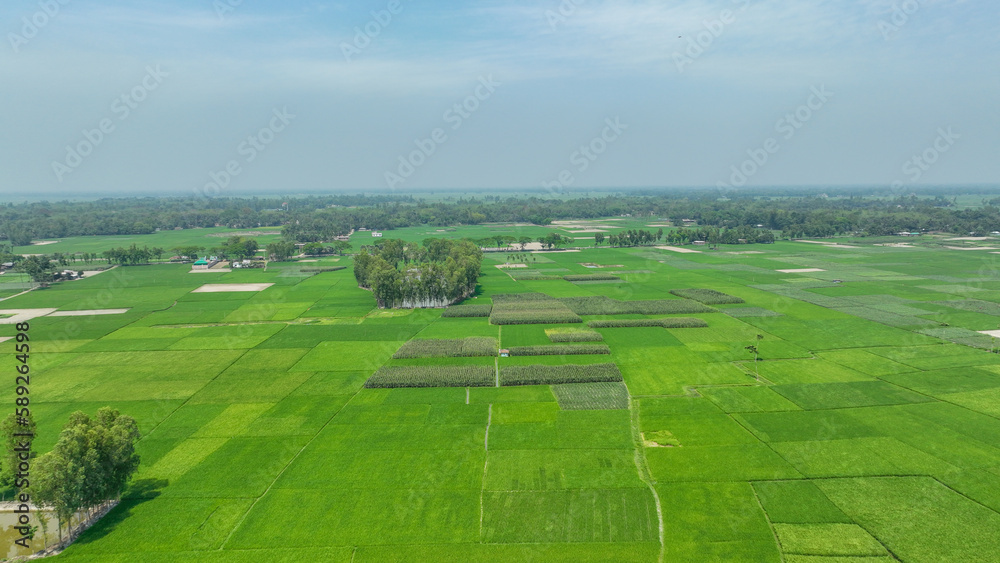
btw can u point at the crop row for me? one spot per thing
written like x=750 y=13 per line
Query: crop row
x=576 y=336
x=560 y=350
x=672 y=322
x=467 y=311
x=707 y=296
x=530 y=308
x=590 y=277
x=392 y=377
x=600 y=305
x=459 y=348
x=552 y=375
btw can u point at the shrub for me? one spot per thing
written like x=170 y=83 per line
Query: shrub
x=551 y=375
x=556 y=350
x=672 y=322
x=392 y=377
x=465 y=311
x=707 y=296
x=460 y=348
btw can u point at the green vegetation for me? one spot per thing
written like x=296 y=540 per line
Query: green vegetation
x=283 y=413
x=560 y=350
x=669 y=322
x=530 y=308
x=392 y=377
x=467 y=311
x=591 y=277
x=707 y=296
x=436 y=274
x=559 y=335
x=591 y=396
x=558 y=374
x=601 y=305
x=463 y=348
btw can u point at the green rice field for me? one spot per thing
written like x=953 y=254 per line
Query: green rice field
x=301 y=423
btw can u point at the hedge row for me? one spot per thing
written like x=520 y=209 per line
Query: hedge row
x=393 y=377
x=707 y=296
x=466 y=311
x=673 y=322
x=558 y=350
x=461 y=348
x=553 y=375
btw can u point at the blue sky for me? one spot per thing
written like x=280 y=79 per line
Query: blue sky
x=289 y=97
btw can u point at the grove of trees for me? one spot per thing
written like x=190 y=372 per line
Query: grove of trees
x=405 y=275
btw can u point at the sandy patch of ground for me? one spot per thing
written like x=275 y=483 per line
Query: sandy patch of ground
x=972 y=248
x=553 y=251
x=970 y=238
x=21 y=315
x=592 y=265
x=6 y=338
x=679 y=249
x=896 y=245
x=44 y=242
x=507 y=266
x=993 y=333
x=88 y=313
x=222 y=271
x=746 y=252
x=308 y=260
x=232 y=287
x=802 y=271
x=663 y=225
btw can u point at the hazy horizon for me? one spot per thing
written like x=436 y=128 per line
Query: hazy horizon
x=227 y=97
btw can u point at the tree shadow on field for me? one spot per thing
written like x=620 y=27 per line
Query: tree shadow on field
x=138 y=492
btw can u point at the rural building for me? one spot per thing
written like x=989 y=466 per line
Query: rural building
x=376 y=233
x=205 y=264
x=504 y=353
x=699 y=243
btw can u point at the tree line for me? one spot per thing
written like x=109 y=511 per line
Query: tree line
x=793 y=212
x=437 y=273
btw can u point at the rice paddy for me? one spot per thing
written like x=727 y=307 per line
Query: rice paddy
x=296 y=422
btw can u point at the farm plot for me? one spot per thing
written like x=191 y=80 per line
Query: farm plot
x=530 y=308
x=707 y=296
x=390 y=377
x=591 y=396
x=556 y=374
x=560 y=350
x=464 y=348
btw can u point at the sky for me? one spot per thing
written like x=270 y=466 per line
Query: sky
x=227 y=97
